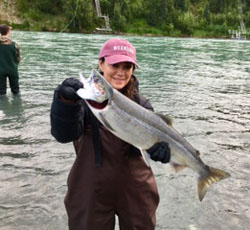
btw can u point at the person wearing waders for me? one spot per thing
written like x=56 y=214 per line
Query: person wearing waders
x=9 y=60
x=109 y=176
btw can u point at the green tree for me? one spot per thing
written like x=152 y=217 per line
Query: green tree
x=129 y=9
x=195 y=1
x=46 y=6
x=172 y=17
x=186 y=23
x=80 y=14
x=119 y=21
x=206 y=14
x=217 y=6
x=160 y=12
x=181 y=4
x=247 y=2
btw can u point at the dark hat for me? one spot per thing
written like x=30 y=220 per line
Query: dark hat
x=4 y=29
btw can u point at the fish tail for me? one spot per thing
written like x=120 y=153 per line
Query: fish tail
x=213 y=176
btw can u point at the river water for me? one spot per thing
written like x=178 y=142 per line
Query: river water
x=203 y=84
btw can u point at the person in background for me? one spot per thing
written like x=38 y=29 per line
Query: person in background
x=109 y=176
x=9 y=60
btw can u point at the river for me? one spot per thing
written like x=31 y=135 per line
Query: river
x=203 y=84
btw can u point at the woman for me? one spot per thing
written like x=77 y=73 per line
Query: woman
x=109 y=177
x=9 y=60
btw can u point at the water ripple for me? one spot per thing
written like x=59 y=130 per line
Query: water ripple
x=203 y=84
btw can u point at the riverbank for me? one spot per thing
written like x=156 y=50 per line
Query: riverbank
x=37 y=21
x=56 y=25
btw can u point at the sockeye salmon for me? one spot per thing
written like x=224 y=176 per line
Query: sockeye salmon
x=143 y=128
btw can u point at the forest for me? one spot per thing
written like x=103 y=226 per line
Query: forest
x=186 y=18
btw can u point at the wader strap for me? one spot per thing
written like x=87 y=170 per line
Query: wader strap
x=96 y=140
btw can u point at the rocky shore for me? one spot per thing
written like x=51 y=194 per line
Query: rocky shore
x=8 y=13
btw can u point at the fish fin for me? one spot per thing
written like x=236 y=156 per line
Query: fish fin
x=145 y=156
x=198 y=152
x=166 y=118
x=177 y=167
x=83 y=79
x=213 y=176
x=85 y=92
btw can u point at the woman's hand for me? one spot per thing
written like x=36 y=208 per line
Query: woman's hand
x=67 y=90
x=160 y=152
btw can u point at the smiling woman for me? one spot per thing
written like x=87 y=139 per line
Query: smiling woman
x=118 y=75
x=126 y=185
x=117 y=62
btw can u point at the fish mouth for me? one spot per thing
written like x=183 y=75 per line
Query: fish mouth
x=97 y=92
x=98 y=105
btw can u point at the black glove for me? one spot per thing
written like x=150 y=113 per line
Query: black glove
x=160 y=152
x=68 y=88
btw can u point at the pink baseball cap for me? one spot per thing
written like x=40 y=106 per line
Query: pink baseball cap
x=118 y=50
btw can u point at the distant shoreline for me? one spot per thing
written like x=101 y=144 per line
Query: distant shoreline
x=133 y=34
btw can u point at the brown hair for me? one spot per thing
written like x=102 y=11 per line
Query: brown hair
x=4 y=29
x=131 y=89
